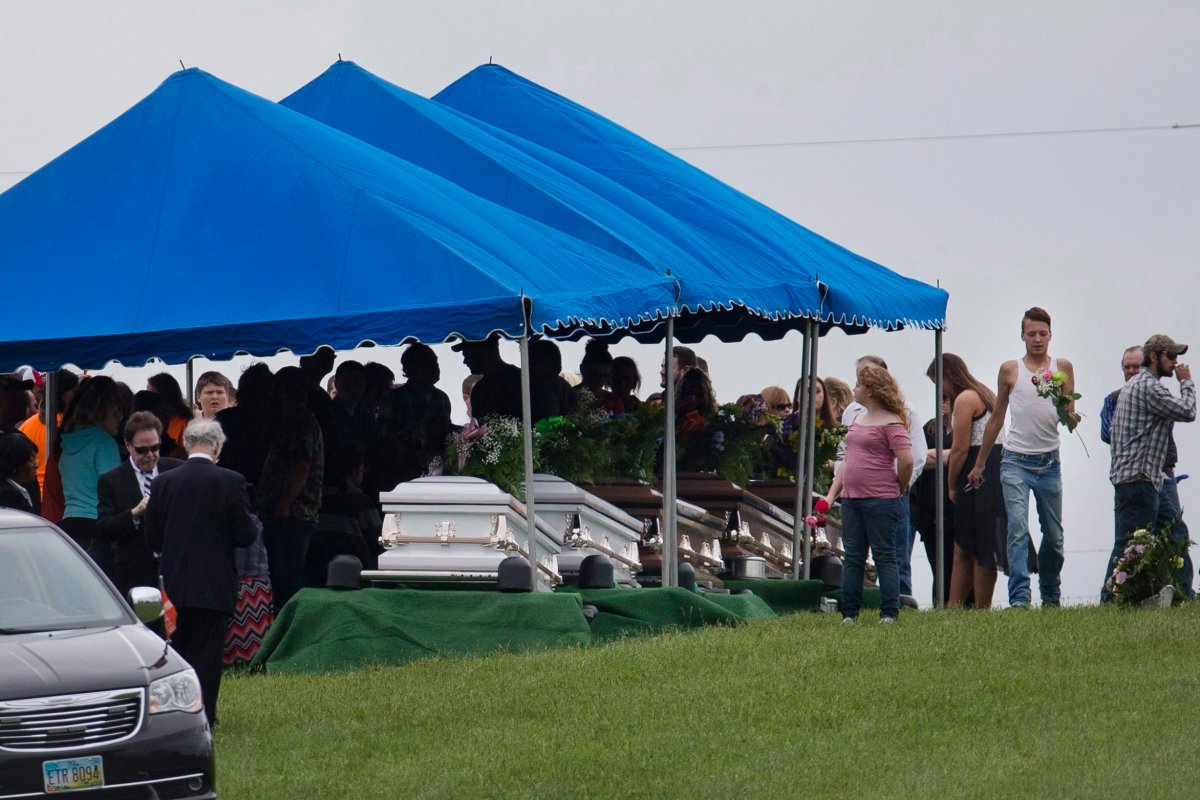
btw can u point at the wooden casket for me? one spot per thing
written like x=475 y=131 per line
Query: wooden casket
x=588 y=525
x=458 y=529
x=751 y=527
x=698 y=532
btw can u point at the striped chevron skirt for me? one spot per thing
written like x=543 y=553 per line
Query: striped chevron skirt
x=250 y=621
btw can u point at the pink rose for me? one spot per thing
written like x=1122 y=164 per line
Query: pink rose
x=810 y=521
x=1047 y=375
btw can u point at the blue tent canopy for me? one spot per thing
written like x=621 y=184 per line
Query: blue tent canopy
x=714 y=273
x=859 y=291
x=209 y=221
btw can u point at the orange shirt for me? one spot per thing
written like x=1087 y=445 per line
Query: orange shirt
x=35 y=430
x=175 y=431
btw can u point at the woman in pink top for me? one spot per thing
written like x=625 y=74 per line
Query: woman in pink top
x=873 y=487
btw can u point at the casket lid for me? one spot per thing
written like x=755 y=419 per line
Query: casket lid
x=442 y=490
x=553 y=490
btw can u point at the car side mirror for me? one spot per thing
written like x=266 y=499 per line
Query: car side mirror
x=147 y=603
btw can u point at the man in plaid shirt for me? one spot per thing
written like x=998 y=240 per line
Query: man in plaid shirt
x=1141 y=431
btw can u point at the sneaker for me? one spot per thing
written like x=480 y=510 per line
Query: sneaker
x=886 y=620
x=847 y=620
x=1018 y=606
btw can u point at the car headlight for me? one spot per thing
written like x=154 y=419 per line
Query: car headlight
x=178 y=692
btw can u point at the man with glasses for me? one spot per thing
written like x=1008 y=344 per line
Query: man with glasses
x=123 y=493
x=1141 y=434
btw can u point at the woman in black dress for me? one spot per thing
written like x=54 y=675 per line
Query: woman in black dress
x=980 y=521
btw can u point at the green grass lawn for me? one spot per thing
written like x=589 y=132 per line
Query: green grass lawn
x=1088 y=702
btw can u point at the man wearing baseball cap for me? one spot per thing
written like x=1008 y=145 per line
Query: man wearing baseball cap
x=1141 y=430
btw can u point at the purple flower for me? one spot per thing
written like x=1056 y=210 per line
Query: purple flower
x=1120 y=577
x=1141 y=548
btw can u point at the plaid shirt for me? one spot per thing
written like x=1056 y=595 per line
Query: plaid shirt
x=1141 y=427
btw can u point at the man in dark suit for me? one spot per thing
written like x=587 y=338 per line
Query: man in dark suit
x=123 y=493
x=196 y=516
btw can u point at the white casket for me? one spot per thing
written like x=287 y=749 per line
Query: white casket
x=588 y=525
x=453 y=528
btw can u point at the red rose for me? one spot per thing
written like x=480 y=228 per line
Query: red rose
x=821 y=506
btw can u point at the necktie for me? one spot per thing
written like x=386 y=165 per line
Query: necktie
x=145 y=478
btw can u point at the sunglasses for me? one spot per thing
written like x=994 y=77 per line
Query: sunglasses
x=782 y=406
x=145 y=451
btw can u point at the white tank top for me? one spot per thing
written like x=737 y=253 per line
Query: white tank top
x=1033 y=427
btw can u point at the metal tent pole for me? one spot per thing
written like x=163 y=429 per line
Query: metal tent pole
x=811 y=425
x=50 y=403
x=190 y=380
x=527 y=435
x=670 y=539
x=802 y=432
x=940 y=477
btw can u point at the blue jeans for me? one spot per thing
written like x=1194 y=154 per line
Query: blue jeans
x=1040 y=473
x=903 y=537
x=873 y=521
x=1139 y=505
x=1169 y=509
x=902 y=544
x=1135 y=506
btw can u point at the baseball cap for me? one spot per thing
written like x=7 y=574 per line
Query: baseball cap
x=1160 y=342
x=14 y=383
x=458 y=347
x=31 y=374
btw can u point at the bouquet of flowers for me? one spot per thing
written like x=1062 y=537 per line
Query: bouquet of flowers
x=816 y=523
x=494 y=451
x=783 y=451
x=634 y=440
x=1050 y=384
x=731 y=443
x=1151 y=560
x=575 y=446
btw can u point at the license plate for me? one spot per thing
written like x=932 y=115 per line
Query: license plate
x=73 y=773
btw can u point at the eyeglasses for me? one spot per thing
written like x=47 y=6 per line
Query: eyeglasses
x=782 y=407
x=145 y=451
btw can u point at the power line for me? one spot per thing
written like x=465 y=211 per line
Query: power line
x=891 y=139
x=936 y=137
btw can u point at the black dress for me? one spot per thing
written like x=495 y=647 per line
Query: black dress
x=980 y=519
x=923 y=508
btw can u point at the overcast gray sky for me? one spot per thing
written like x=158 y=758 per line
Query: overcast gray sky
x=1100 y=228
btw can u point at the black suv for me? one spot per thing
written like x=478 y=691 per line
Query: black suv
x=91 y=700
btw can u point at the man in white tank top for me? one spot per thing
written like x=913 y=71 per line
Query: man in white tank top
x=1031 y=462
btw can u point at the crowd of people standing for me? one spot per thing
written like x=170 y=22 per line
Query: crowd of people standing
x=311 y=457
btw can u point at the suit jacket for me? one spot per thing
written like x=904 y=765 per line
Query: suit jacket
x=118 y=492
x=197 y=515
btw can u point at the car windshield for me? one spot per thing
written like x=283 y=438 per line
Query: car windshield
x=46 y=585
